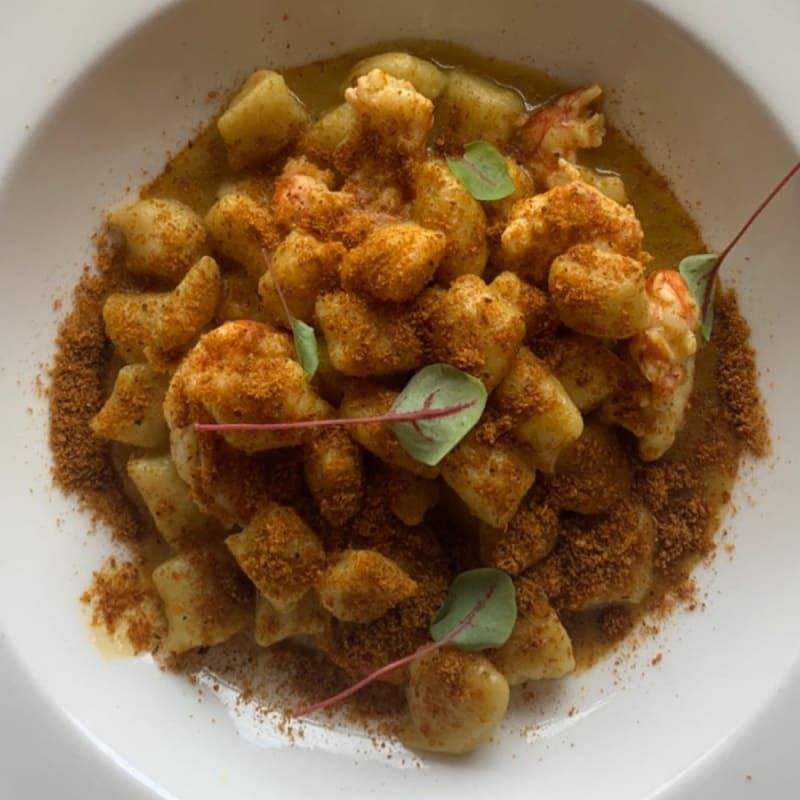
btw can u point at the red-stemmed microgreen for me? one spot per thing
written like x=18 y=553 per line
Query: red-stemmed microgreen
x=437 y=386
x=430 y=416
x=700 y=271
x=483 y=171
x=305 y=340
x=490 y=628
x=479 y=612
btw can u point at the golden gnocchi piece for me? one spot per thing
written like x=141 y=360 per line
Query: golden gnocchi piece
x=442 y=202
x=163 y=238
x=394 y=263
x=608 y=559
x=240 y=230
x=206 y=599
x=364 y=339
x=529 y=537
x=593 y=473
x=491 y=476
x=474 y=108
x=412 y=497
x=471 y=328
x=599 y=293
x=424 y=76
x=261 y=119
x=177 y=517
x=586 y=368
x=612 y=186
x=539 y=647
x=538 y=312
x=280 y=554
x=305 y=618
x=323 y=138
x=334 y=473
x=362 y=585
x=158 y=325
x=304 y=268
x=544 y=417
x=547 y=225
x=455 y=701
x=134 y=413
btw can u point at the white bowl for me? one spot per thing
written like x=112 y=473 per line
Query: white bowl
x=711 y=100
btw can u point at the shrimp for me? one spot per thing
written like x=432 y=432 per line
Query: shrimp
x=243 y=371
x=304 y=200
x=559 y=129
x=547 y=225
x=226 y=484
x=653 y=418
x=652 y=404
x=662 y=350
x=392 y=113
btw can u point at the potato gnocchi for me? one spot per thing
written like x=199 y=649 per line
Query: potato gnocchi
x=349 y=219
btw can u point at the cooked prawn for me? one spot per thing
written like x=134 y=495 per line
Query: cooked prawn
x=392 y=112
x=548 y=224
x=559 y=129
x=304 y=200
x=243 y=371
x=663 y=350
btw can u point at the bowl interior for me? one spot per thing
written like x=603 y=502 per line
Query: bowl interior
x=111 y=127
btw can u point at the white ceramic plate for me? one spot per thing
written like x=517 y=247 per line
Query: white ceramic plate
x=93 y=94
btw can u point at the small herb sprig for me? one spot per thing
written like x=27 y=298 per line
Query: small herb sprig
x=700 y=271
x=305 y=340
x=479 y=612
x=433 y=413
x=483 y=171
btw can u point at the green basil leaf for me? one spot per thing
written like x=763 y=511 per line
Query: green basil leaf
x=492 y=624
x=305 y=343
x=698 y=271
x=437 y=387
x=483 y=171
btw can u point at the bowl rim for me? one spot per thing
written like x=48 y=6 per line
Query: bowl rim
x=732 y=43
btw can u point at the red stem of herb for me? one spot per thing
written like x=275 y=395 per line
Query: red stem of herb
x=276 y=285
x=407 y=416
x=712 y=276
x=401 y=662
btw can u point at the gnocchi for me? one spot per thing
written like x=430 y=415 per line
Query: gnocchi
x=265 y=316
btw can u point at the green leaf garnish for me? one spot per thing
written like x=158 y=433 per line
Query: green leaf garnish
x=495 y=584
x=483 y=171
x=437 y=408
x=492 y=624
x=700 y=274
x=305 y=343
x=437 y=387
x=305 y=340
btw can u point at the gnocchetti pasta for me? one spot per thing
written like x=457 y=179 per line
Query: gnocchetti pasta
x=593 y=477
